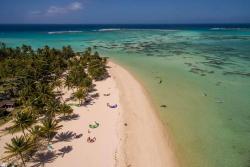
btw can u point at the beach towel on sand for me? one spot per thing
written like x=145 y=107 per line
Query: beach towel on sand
x=112 y=106
x=93 y=126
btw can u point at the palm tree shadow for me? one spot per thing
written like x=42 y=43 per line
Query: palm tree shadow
x=64 y=150
x=42 y=158
x=70 y=117
x=88 y=101
x=65 y=136
x=69 y=98
x=95 y=95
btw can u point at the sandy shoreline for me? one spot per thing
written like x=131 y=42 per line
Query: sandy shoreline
x=130 y=135
x=145 y=144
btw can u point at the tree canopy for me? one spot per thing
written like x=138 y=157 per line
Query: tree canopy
x=31 y=77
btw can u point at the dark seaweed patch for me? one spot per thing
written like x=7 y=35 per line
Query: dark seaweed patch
x=231 y=37
x=218 y=83
x=188 y=64
x=246 y=74
x=200 y=71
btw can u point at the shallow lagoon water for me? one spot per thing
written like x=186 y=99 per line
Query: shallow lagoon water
x=202 y=76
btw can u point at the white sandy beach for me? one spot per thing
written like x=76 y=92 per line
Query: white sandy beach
x=141 y=143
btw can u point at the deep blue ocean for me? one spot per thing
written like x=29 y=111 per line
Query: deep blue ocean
x=90 y=27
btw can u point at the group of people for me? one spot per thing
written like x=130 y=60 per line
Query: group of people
x=91 y=140
x=96 y=125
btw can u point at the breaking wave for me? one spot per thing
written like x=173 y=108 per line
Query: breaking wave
x=63 y=32
x=221 y=28
x=109 y=29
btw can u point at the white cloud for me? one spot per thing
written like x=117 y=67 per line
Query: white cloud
x=75 y=6
x=57 y=10
x=53 y=10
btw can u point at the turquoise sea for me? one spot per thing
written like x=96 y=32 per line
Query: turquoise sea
x=200 y=72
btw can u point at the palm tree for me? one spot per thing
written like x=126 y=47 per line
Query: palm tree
x=67 y=52
x=97 y=68
x=65 y=109
x=18 y=147
x=85 y=82
x=51 y=108
x=25 y=91
x=80 y=94
x=22 y=121
x=35 y=134
x=58 y=84
x=88 y=51
x=69 y=81
x=49 y=128
x=45 y=92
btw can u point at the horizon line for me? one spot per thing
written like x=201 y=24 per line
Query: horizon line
x=125 y=23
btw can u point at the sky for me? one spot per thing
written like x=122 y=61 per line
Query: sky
x=124 y=11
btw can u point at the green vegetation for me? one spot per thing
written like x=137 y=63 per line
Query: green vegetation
x=49 y=128
x=30 y=97
x=80 y=94
x=22 y=121
x=97 y=68
x=65 y=109
x=18 y=147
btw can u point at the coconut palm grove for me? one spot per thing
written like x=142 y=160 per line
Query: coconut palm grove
x=30 y=97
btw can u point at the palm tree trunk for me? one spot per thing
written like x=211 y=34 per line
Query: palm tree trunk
x=24 y=134
x=48 y=138
x=22 y=159
x=51 y=115
x=62 y=99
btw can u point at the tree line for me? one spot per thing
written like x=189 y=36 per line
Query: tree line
x=32 y=79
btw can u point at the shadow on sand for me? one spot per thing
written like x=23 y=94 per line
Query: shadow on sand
x=64 y=150
x=40 y=159
x=65 y=136
x=69 y=117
